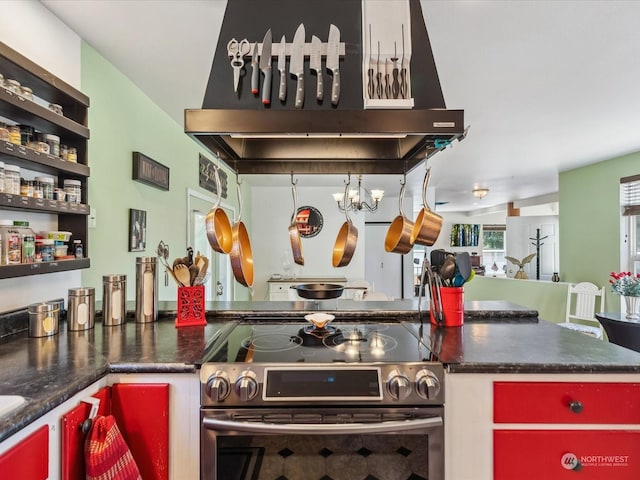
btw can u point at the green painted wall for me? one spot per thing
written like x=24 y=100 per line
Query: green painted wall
x=590 y=221
x=548 y=298
x=122 y=120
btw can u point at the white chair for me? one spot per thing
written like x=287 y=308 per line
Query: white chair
x=581 y=307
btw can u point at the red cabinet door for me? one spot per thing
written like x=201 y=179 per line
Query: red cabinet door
x=566 y=402
x=72 y=437
x=29 y=459
x=142 y=414
x=566 y=454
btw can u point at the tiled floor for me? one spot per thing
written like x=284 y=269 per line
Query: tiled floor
x=352 y=457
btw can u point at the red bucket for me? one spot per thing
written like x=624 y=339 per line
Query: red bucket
x=452 y=306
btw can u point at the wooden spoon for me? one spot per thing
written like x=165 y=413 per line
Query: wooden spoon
x=181 y=271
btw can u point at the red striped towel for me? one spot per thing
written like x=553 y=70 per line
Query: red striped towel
x=107 y=456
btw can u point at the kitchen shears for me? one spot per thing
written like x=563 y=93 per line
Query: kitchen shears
x=237 y=51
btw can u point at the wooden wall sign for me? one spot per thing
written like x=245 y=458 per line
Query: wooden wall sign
x=150 y=172
x=208 y=179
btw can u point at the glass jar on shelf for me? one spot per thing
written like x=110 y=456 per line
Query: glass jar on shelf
x=47 y=187
x=12 y=179
x=14 y=135
x=73 y=190
x=13 y=86
x=26 y=92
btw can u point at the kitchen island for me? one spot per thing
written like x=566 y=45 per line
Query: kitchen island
x=499 y=340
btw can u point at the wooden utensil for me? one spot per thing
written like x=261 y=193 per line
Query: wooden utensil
x=182 y=274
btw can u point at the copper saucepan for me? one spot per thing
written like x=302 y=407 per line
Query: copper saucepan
x=347 y=238
x=294 y=233
x=398 y=239
x=217 y=223
x=241 y=255
x=426 y=228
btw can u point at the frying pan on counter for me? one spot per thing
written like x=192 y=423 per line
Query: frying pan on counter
x=322 y=291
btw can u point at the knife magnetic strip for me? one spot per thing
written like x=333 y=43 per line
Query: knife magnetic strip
x=275 y=49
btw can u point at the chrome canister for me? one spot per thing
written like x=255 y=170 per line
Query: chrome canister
x=43 y=319
x=82 y=308
x=146 y=289
x=114 y=299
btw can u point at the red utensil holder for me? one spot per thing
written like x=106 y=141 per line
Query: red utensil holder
x=191 y=307
x=452 y=306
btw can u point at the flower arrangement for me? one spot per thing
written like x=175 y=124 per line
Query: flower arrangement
x=625 y=283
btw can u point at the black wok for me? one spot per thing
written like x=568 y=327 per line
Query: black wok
x=322 y=291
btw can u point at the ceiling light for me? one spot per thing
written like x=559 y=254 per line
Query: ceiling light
x=480 y=192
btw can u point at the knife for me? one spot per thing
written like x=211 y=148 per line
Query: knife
x=403 y=70
x=315 y=64
x=265 y=66
x=255 y=76
x=333 y=61
x=296 y=64
x=370 y=84
x=387 y=79
x=282 y=67
x=379 y=75
x=395 y=83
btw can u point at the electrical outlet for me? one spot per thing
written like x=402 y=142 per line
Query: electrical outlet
x=92 y=218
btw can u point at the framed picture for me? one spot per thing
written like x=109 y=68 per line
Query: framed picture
x=137 y=230
x=309 y=221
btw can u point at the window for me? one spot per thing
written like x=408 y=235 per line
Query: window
x=630 y=199
x=494 y=242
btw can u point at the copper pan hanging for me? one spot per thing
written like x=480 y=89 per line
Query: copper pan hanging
x=294 y=232
x=426 y=228
x=347 y=237
x=241 y=255
x=398 y=239
x=217 y=223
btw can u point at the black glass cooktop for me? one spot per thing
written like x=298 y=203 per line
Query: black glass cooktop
x=292 y=341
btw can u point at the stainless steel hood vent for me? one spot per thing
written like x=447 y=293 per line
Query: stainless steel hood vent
x=319 y=138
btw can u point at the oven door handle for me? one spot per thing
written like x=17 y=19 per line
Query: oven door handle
x=322 y=429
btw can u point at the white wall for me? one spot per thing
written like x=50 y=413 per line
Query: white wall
x=271 y=217
x=520 y=231
x=39 y=35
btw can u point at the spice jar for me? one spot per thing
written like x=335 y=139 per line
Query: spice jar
x=78 y=249
x=72 y=188
x=47 y=187
x=4 y=132
x=54 y=144
x=12 y=179
x=11 y=243
x=64 y=150
x=44 y=249
x=72 y=155
x=14 y=135
x=37 y=189
x=54 y=107
x=12 y=86
x=27 y=93
x=26 y=134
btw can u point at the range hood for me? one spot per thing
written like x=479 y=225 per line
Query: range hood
x=319 y=138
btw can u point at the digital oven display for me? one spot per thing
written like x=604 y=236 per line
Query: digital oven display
x=322 y=384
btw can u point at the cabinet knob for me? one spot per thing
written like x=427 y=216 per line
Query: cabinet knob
x=575 y=406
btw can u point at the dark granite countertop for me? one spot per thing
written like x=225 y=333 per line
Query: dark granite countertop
x=498 y=337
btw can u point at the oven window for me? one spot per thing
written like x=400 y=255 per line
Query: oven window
x=330 y=457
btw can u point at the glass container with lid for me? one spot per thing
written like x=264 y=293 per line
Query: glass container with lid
x=73 y=190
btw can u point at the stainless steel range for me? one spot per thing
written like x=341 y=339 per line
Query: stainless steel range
x=356 y=399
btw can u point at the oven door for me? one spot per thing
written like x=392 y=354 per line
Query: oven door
x=327 y=443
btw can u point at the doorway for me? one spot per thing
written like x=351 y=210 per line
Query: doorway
x=219 y=286
x=382 y=270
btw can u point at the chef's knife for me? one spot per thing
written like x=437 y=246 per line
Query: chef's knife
x=296 y=64
x=282 y=67
x=333 y=62
x=370 y=83
x=403 y=70
x=265 y=66
x=395 y=82
x=315 y=64
x=387 y=79
x=255 y=75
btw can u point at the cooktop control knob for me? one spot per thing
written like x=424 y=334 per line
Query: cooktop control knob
x=427 y=384
x=247 y=385
x=218 y=386
x=398 y=385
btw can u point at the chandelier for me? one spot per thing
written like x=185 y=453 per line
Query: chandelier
x=355 y=202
